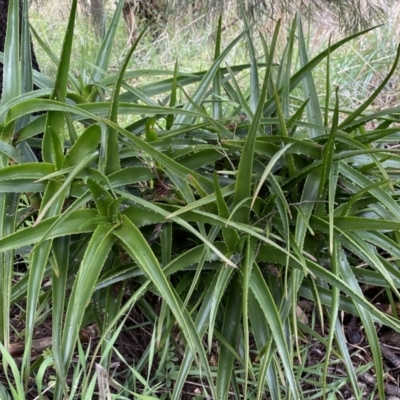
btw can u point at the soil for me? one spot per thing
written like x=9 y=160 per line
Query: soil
x=137 y=335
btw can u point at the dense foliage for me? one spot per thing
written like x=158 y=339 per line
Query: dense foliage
x=235 y=192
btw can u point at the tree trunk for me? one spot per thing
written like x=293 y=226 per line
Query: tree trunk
x=3 y=28
x=150 y=12
x=94 y=10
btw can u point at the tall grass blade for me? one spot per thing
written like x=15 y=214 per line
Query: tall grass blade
x=230 y=332
x=55 y=120
x=205 y=82
x=11 y=68
x=8 y=202
x=140 y=251
x=263 y=296
x=109 y=161
x=39 y=259
x=104 y=54
x=216 y=85
x=245 y=169
x=89 y=270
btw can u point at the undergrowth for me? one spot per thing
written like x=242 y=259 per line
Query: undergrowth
x=240 y=222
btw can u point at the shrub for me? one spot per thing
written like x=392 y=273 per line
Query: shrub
x=228 y=203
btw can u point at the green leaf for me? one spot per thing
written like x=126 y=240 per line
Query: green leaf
x=215 y=289
x=8 y=215
x=298 y=77
x=216 y=84
x=151 y=134
x=204 y=84
x=86 y=143
x=85 y=282
x=334 y=250
x=55 y=121
x=329 y=148
x=230 y=332
x=102 y=198
x=313 y=107
x=245 y=282
x=231 y=237
x=65 y=185
x=33 y=234
x=26 y=50
x=267 y=171
x=102 y=62
x=11 y=68
x=172 y=102
x=51 y=205
x=367 y=321
x=141 y=252
x=245 y=169
x=60 y=251
x=267 y=304
x=109 y=159
x=347 y=123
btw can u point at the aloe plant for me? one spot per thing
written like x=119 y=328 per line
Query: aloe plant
x=251 y=167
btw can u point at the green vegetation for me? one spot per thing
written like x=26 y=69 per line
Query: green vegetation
x=198 y=207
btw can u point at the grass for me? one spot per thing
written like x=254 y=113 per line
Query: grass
x=359 y=65
x=176 y=224
x=180 y=41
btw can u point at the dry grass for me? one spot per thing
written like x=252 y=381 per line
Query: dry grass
x=356 y=68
